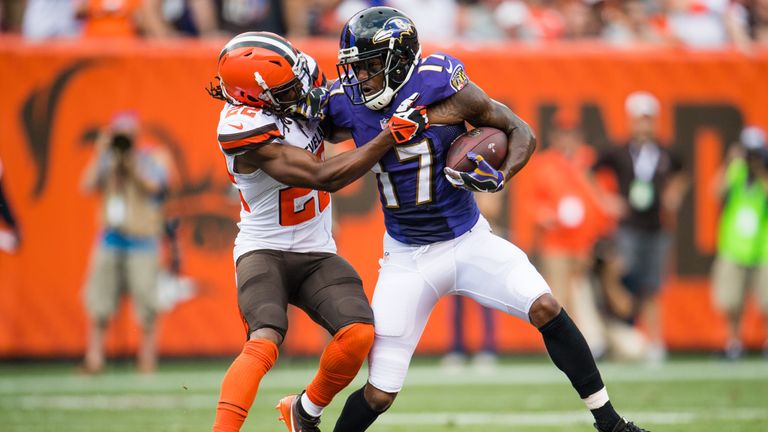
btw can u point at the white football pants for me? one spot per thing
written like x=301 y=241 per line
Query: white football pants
x=477 y=264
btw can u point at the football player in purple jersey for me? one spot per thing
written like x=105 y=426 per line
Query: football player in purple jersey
x=437 y=243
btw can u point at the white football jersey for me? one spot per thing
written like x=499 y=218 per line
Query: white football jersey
x=274 y=215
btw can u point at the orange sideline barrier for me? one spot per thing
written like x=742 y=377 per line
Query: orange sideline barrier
x=54 y=96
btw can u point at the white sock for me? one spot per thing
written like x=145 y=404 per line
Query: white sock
x=597 y=400
x=310 y=407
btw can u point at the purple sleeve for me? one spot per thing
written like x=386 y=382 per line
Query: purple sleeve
x=338 y=107
x=442 y=76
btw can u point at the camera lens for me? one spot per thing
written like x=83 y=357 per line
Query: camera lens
x=121 y=142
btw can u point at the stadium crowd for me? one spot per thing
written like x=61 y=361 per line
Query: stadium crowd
x=701 y=24
x=565 y=259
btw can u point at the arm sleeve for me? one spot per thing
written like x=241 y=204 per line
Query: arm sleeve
x=442 y=76
x=240 y=142
x=339 y=107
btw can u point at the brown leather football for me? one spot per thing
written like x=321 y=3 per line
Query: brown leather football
x=488 y=142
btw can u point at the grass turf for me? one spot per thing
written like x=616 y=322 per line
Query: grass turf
x=700 y=395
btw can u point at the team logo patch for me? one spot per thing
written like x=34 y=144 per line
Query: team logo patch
x=396 y=28
x=459 y=78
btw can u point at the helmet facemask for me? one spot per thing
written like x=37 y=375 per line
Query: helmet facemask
x=284 y=98
x=397 y=68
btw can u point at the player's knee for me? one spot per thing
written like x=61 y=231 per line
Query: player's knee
x=543 y=310
x=267 y=333
x=357 y=337
x=378 y=400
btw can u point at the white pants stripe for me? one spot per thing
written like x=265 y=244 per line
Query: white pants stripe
x=478 y=264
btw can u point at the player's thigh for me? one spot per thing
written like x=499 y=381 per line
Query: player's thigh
x=102 y=287
x=141 y=272
x=332 y=295
x=262 y=291
x=728 y=284
x=497 y=274
x=402 y=302
x=760 y=282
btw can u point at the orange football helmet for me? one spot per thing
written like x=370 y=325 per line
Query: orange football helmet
x=262 y=70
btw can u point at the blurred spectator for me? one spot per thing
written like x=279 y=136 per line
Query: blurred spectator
x=11 y=13
x=436 y=20
x=239 y=16
x=570 y=217
x=44 y=19
x=490 y=206
x=181 y=17
x=580 y=20
x=113 y=18
x=622 y=340
x=757 y=18
x=132 y=181
x=10 y=237
x=705 y=23
x=630 y=23
x=742 y=247
x=652 y=183
x=477 y=20
x=531 y=20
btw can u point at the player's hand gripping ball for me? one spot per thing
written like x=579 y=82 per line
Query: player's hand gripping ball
x=408 y=120
x=313 y=105
x=474 y=159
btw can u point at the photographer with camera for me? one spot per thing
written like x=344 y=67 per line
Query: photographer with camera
x=742 y=249
x=132 y=182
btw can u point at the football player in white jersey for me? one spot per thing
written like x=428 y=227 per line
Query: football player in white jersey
x=284 y=251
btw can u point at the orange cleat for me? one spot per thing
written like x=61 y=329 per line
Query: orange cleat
x=293 y=416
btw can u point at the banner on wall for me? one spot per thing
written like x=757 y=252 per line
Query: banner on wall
x=57 y=96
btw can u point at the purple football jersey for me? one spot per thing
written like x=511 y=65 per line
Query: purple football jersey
x=420 y=205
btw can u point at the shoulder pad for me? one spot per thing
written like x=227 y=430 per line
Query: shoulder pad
x=242 y=128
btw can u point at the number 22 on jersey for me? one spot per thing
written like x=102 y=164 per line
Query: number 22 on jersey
x=297 y=205
x=422 y=151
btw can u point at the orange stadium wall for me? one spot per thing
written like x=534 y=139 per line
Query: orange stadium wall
x=54 y=97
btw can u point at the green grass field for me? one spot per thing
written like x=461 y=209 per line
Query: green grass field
x=700 y=395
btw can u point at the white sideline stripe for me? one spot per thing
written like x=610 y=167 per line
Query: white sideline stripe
x=418 y=376
x=543 y=418
x=558 y=418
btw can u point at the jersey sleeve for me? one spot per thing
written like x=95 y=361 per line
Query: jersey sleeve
x=243 y=128
x=339 y=107
x=442 y=76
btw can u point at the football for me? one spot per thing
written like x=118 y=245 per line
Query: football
x=488 y=142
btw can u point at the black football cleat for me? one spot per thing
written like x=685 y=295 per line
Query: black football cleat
x=624 y=426
x=294 y=419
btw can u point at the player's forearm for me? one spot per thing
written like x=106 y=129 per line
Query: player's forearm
x=93 y=177
x=343 y=169
x=522 y=143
